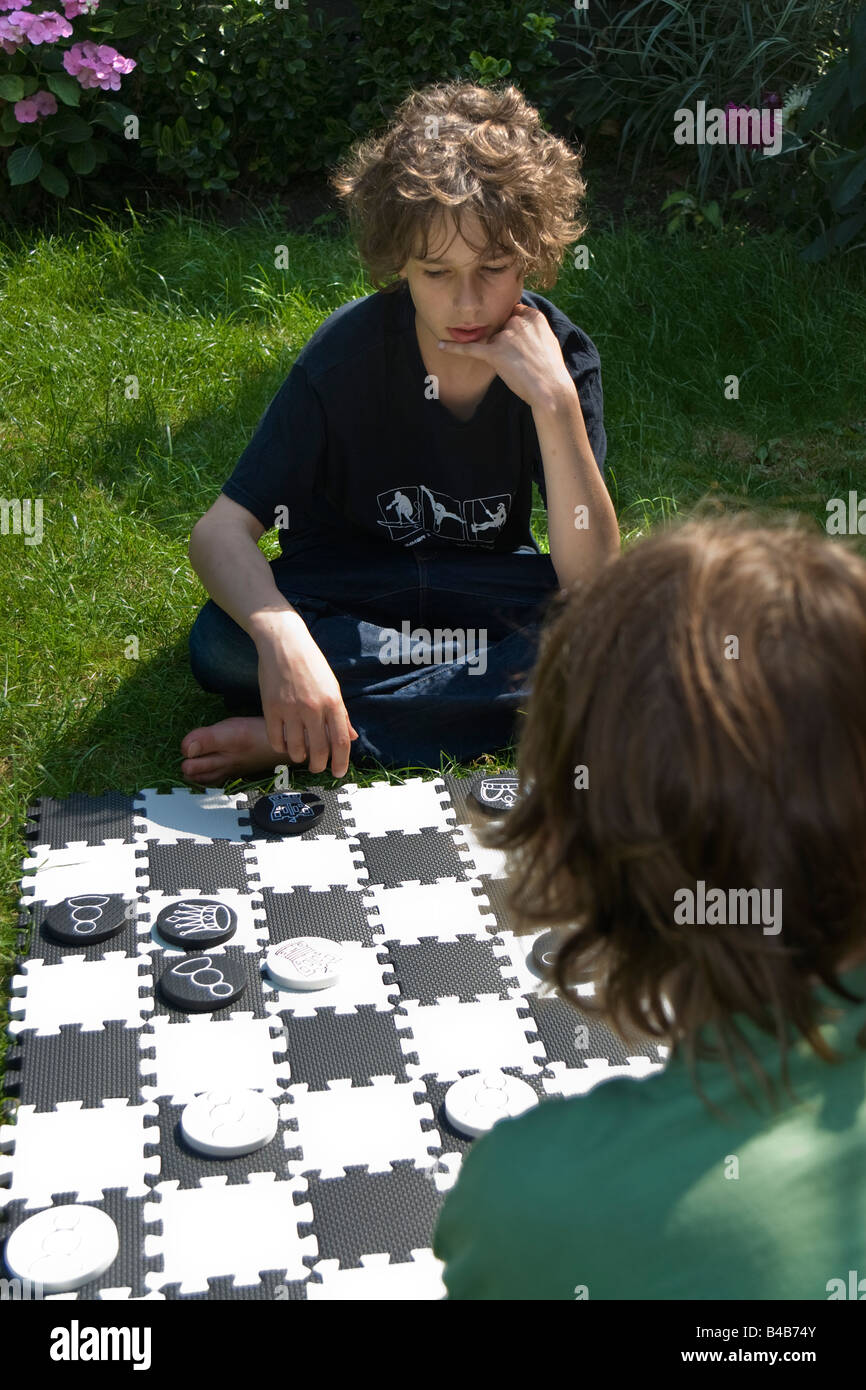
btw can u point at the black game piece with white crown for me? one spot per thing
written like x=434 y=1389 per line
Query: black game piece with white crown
x=495 y=794
x=194 y=923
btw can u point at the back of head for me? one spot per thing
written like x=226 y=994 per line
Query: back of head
x=698 y=715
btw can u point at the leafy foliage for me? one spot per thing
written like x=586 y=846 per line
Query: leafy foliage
x=818 y=184
x=633 y=66
x=246 y=94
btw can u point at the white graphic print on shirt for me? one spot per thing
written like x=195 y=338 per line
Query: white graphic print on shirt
x=412 y=514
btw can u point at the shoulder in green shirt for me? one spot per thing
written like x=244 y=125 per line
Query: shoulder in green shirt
x=637 y=1191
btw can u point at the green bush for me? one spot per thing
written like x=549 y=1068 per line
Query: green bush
x=403 y=47
x=636 y=65
x=61 y=149
x=817 y=184
x=243 y=94
x=239 y=89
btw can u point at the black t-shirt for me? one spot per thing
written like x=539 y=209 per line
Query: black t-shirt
x=354 y=446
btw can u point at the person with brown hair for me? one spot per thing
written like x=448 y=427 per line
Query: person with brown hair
x=692 y=814
x=397 y=460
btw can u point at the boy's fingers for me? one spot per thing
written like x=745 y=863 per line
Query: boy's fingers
x=316 y=738
x=339 y=749
x=295 y=741
x=276 y=732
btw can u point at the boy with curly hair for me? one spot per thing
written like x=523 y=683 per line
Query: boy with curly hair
x=398 y=458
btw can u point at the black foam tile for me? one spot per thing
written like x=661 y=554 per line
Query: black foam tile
x=351 y=1213
x=556 y=1022
x=338 y=914
x=75 y=1065
x=359 y=1045
x=251 y=1001
x=189 y=868
x=76 y=818
x=434 y=969
x=395 y=858
x=182 y=1163
x=41 y=946
x=127 y=1213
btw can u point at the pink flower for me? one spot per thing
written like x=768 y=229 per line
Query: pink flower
x=42 y=28
x=40 y=104
x=97 y=65
x=734 y=126
x=12 y=33
x=73 y=8
x=13 y=4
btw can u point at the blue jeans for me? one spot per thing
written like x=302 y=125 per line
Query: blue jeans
x=361 y=603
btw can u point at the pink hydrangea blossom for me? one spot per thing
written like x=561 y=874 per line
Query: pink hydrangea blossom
x=73 y=8
x=97 y=65
x=12 y=33
x=15 y=5
x=40 y=104
x=41 y=28
x=731 y=122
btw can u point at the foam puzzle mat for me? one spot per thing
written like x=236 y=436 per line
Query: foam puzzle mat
x=343 y=1201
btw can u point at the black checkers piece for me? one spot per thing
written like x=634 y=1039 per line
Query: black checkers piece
x=87 y=918
x=287 y=813
x=194 y=923
x=495 y=794
x=200 y=984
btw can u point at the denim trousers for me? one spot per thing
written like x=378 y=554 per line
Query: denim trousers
x=433 y=649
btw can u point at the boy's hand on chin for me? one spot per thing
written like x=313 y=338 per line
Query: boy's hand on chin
x=525 y=353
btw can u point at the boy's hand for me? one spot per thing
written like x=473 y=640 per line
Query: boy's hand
x=525 y=353
x=301 y=702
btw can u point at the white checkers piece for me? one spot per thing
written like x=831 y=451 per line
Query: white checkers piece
x=63 y=1248
x=475 y=1103
x=225 y=1124
x=305 y=962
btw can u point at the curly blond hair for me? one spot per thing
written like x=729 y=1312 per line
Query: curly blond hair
x=460 y=148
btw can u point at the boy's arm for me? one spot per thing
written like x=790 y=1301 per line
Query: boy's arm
x=224 y=553
x=581 y=522
x=302 y=705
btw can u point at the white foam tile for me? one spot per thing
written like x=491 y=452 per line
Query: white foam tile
x=378 y=1281
x=318 y=864
x=70 y=1149
x=220 y=1229
x=411 y=807
x=241 y=1052
x=444 y=909
x=454 y=1036
x=89 y=992
x=579 y=1081
x=251 y=932
x=360 y=982
x=182 y=814
x=82 y=868
x=374 y=1125
x=490 y=862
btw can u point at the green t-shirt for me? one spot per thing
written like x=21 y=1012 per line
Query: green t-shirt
x=636 y=1191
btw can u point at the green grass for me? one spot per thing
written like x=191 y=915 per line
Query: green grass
x=200 y=316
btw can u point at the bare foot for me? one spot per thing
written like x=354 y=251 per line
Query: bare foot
x=234 y=747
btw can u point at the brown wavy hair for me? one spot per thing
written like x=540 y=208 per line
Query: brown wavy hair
x=460 y=148
x=744 y=772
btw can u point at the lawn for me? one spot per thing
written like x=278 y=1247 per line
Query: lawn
x=197 y=315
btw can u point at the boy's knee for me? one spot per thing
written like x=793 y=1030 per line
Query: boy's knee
x=221 y=654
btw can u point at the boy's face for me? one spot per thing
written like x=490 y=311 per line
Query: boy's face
x=455 y=287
